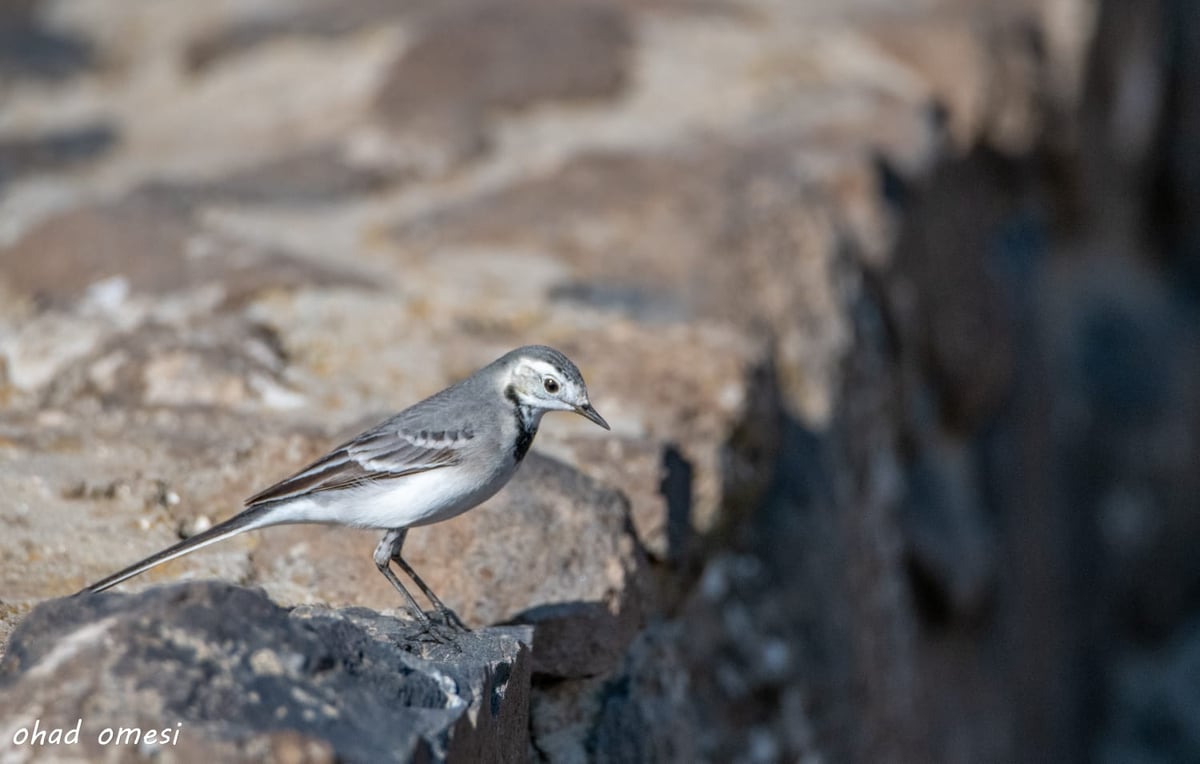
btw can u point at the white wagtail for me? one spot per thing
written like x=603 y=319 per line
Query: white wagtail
x=430 y=462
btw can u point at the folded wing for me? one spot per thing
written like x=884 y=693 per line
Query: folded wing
x=379 y=454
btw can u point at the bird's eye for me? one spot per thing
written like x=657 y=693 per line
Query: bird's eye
x=551 y=385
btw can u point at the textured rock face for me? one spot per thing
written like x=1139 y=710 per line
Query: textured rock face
x=474 y=60
x=892 y=311
x=228 y=675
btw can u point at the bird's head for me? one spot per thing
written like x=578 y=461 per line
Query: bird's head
x=544 y=379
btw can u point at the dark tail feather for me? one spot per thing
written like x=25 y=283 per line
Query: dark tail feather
x=244 y=521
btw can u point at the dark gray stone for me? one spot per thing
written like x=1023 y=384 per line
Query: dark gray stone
x=235 y=672
x=1154 y=704
x=54 y=151
x=29 y=50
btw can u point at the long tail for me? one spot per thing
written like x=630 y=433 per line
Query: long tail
x=254 y=517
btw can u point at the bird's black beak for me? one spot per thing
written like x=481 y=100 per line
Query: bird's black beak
x=590 y=413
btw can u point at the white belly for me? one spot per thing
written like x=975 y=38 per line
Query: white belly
x=418 y=499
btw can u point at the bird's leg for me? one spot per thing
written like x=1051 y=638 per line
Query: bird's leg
x=449 y=616
x=388 y=547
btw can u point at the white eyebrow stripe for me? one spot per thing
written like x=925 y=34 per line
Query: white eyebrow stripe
x=546 y=369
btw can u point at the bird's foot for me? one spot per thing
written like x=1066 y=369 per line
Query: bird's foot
x=437 y=633
x=449 y=618
x=434 y=628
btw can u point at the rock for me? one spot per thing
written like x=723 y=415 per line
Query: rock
x=305 y=178
x=960 y=325
x=49 y=153
x=949 y=543
x=39 y=349
x=218 y=363
x=658 y=481
x=238 y=677
x=29 y=49
x=688 y=229
x=154 y=245
x=562 y=715
x=320 y=20
x=699 y=442
x=1154 y=703
x=644 y=711
x=477 y=59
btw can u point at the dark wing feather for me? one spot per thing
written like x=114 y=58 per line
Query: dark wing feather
x=375 y=455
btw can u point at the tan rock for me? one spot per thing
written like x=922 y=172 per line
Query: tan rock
x=147 y=243
x=476 y=59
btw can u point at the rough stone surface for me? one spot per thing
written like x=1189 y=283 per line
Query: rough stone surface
x=651 y=237
x=476 y=59
x=241 y=679
x=28 y=49
x=306 y=178
x=149 y=243
x=21 y=156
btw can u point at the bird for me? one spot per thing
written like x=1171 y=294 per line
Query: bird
x=432 y=461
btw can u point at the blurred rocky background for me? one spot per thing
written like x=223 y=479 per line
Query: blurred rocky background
x=894 y=308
